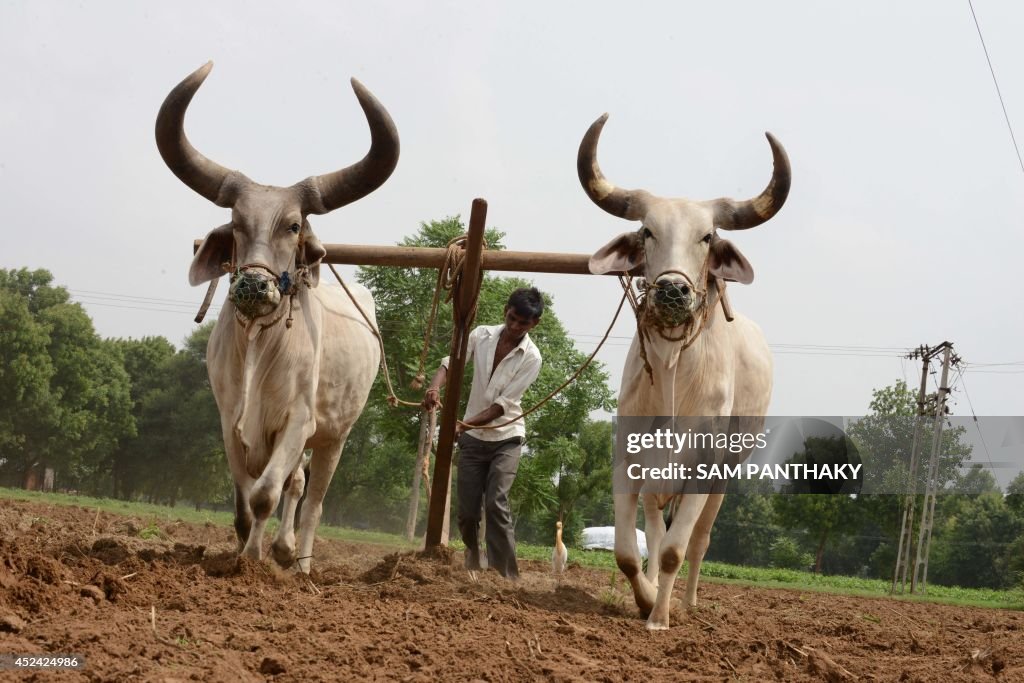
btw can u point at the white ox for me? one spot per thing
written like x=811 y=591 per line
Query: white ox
x=725 y=370
x=290 y=363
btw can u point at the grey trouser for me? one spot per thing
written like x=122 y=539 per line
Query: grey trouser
x=486 y=471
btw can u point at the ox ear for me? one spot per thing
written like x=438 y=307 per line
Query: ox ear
x=212 y=254
x=312 y=253
x=729 y=264
x=625 y=253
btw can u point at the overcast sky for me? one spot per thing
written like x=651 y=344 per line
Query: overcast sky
x=903 y=225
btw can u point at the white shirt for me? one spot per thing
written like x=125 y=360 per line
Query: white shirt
x=513 y=376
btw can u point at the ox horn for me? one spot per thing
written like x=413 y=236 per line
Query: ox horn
x=740 y=215
x=201 y=174
x=334 y=190
x=628 y=204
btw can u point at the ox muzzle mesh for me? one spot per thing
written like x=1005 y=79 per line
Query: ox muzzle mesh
x=674 y=302
x=256 y=291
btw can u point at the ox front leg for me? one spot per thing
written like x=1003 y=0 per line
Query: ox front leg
x=627 y=553
x=654 y=531
x=321 y=470
x=283 y=547
x=243 y=517
x=243 y=488
x=699 y=541
x=671 y=555
x=266 y=493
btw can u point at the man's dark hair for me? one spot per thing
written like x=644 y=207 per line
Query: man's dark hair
x=527 y=302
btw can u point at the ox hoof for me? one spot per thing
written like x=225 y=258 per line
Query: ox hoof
x=252 y=552
x=283 y=555
x=657 y=624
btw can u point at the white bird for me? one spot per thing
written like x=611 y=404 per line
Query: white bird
x=560 y=556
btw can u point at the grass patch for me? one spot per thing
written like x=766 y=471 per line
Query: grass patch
x=790 y=579
x=154 y=515
x=715 y=572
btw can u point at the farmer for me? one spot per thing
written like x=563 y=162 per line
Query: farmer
x=506 y=362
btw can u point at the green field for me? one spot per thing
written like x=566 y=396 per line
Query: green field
x=597 y=559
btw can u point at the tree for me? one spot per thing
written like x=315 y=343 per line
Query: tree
x=1015 y=494
x=819 y=514
x=746 y=529
x=85 y=409
x=595 y=508
x=974 y=544
x=975 y=481
x=145 y=361
x=28 y=410
x=568 y=480
x=180 y=453
x=884 y=439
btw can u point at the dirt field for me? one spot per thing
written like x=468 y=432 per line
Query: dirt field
x=72 y=582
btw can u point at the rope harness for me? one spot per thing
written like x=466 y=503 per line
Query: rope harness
x=249 y=291
x=668 y=310
x=447 y=279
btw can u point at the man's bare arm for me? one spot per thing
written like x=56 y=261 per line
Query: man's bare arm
x=432 y=396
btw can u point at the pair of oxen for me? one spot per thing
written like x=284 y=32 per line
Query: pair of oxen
x=291 y=363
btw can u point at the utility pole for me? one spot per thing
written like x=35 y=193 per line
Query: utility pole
x=920 y=577
x=934 y=406
x=899 y=574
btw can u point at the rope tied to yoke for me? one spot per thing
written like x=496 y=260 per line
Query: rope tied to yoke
x=449 y=280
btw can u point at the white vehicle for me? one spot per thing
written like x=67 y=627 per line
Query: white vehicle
x=603 y=537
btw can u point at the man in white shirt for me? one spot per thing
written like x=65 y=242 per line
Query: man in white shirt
x=505 y=364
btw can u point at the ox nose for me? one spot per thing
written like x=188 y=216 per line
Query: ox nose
x=254 y=293
x=671 y=292
x=673 y=301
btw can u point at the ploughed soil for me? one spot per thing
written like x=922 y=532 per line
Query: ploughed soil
x=178 y=605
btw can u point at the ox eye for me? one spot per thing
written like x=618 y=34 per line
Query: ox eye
x=707 y=238
x=294 y=227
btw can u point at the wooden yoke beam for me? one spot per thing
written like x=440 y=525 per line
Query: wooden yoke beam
x=429 y=257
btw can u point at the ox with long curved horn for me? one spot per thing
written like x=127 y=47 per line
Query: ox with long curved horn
x=685 y=361
x=290 y=363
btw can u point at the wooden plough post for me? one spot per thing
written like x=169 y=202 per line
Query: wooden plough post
x=464 y=297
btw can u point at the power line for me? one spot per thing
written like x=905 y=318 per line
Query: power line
x=998 y=92
x=119 y=295
x=960 y=378
x=995 y=372
x=180 y=307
